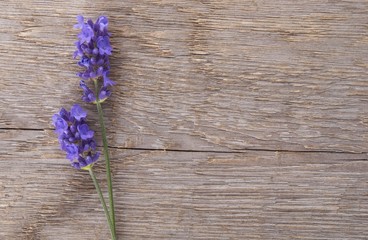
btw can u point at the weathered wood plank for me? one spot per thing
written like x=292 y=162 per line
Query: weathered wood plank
x=193 y=75
x=215 y=75
x=182 y=195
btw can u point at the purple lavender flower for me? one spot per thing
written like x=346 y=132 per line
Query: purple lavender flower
x=80 y=23
x=85 y=132
x=103 y=44
x=102 y=22
x=107 y=80
x=85 y=62
x=93 y=50
x=78 y=112
x=60 y=124
x=86 y=34
x=88 y=95
x=75 y=136
x=104 y=94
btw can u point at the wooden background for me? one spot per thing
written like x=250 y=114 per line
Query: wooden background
x=230 y=120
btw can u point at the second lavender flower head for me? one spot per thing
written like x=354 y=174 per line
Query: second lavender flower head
x=93 y=50
x=75 y=136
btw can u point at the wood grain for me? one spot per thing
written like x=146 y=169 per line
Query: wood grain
x=183 y=195
x=216 y=75
x=260 y=106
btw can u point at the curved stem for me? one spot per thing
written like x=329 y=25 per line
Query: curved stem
x=106 y=154
x=97 y=186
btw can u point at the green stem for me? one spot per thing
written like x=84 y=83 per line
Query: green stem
x=106 y=154
x=97 y=186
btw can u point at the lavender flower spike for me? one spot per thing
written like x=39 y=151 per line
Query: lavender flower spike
x=75 y=136
x=93 y=49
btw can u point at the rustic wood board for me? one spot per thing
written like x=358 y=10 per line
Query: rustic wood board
x=230 y=120
x=215 y=75
x=183 y=195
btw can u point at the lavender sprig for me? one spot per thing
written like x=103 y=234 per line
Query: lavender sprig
x=93 y=49
x=77 y=140
x=75 y=136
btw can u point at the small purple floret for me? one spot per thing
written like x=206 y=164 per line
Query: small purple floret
x=107 y=81
x=84 y=62
x=104 y=94
x=78 y=112
x=85 y=132
x=103 y=44
x=80 y=20
x=71 y=151
x=88 y=95
x=60 y=124
x=86 y=34
x=102 y=23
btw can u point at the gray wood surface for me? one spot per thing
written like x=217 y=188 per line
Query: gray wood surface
x=230 y=120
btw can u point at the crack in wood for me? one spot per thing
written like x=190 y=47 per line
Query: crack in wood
x=237 y=151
